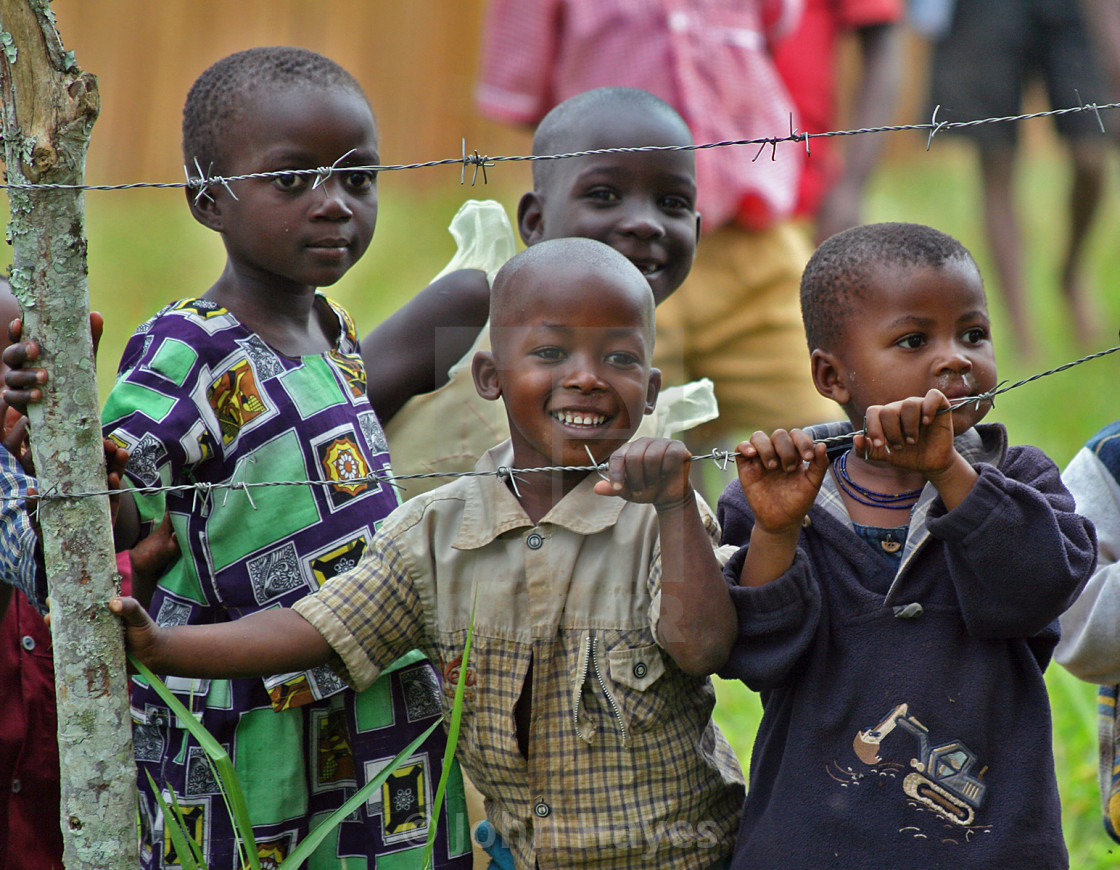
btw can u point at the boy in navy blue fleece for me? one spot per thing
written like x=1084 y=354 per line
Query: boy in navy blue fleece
x=899 y=590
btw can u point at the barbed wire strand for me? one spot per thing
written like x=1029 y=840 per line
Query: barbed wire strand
x=202 y=181
x=721 y=458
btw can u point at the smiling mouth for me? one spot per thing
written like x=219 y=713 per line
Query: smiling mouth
x=647 y=268
x=579 y=418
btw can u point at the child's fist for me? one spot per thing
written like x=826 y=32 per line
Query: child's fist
x=650 y=471
x=781 y=475
x=914 y=433
x=141 y=634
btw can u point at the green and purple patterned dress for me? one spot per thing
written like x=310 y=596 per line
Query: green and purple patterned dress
x=201 y=399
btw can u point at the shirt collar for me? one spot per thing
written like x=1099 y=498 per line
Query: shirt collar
x=491 y=509
x=985 y=442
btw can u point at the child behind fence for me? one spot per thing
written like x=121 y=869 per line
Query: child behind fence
x=260 y=379
x=641 y=204
x=898 y=593
x=584 y=723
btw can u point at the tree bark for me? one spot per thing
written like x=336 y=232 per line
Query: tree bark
x=49 y=107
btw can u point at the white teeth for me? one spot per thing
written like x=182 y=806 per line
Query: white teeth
x=571 y=418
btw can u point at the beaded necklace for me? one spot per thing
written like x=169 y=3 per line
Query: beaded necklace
x=902 y=501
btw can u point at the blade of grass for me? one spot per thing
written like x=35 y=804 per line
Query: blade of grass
x=190 y=856
x=219 y=758
x=452 y=741
x=309 y=843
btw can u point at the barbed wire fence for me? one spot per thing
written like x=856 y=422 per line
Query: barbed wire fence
x=475 y=161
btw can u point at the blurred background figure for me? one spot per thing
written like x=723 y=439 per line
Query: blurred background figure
x=836 y=172
x=984 y=56
x=736 y=319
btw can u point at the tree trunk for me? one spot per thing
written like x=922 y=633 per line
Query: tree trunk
x=49 y=106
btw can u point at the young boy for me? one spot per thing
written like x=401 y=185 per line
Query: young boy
x=642 y=204
x=898 y=595
x=583 y=723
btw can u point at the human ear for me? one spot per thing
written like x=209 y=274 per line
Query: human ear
x=204 y=208
x=487 y=380
x=652 y=390
x=530 y=218
x=828 y=377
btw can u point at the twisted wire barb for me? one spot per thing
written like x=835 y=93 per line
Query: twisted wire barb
x=481 y=161
x=721 y=457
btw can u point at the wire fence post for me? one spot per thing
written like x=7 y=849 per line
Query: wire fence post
x=48 y=109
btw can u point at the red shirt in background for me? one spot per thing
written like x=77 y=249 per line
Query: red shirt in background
x=808 y=63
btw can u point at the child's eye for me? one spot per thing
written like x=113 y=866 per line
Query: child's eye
x=290 y=181
x=622 y=358
x=360 y=180
x=602 y=194
x=912 y=341
x=549 y=354
x=676 y=203
x=976 y=335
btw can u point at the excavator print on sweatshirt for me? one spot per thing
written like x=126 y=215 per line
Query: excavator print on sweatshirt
x=941 y=778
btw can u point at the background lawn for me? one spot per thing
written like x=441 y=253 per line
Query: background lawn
x=145 y=250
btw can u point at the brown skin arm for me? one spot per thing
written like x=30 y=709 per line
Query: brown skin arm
x=150 y=559
x=411 y=351
x=780 y=475
x=698 y=624
x=272 y=641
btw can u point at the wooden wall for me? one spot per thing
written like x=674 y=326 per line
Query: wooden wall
x=416 y=59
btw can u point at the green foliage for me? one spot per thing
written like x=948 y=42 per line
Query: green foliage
x=189 y=851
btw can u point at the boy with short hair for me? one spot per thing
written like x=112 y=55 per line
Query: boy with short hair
x=642 y=204
x=584 y=723
x=897 y=596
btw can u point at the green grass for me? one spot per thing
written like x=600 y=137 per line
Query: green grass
x=145 y=250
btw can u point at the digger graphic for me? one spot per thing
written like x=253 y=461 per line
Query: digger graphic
x=942 y=776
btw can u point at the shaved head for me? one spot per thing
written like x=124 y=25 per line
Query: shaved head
x=557 y=262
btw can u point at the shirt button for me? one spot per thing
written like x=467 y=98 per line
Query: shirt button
x=542 y=809
x=640 y=670
x=17 y=786
x=28 y=642
x=534 y=541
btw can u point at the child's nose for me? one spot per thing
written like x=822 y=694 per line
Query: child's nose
x=956 y=360
x=582 y=377
x=644 y=222
x=332 y=202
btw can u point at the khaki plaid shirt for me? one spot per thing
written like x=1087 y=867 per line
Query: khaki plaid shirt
x=625 y=767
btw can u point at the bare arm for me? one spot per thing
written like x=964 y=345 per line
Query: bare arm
x=268 y=642
x=411 y=351
x=697 y=625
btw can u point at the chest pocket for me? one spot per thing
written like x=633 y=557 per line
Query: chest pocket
x=635 y=671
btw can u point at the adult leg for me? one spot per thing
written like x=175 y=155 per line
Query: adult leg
x=1088 y=157
x=1001 y=223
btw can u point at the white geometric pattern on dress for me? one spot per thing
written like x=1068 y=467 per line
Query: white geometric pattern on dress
x=274 y=573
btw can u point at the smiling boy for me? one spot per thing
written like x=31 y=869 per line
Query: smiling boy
x=584 y=725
